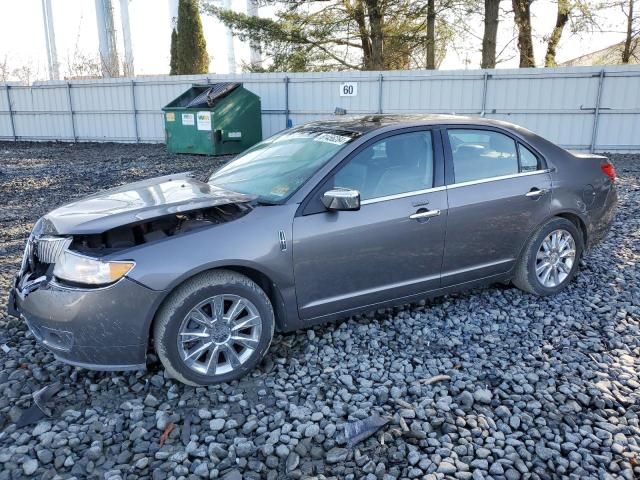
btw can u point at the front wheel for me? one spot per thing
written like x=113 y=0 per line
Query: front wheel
x=550 y=259
x=214 y=328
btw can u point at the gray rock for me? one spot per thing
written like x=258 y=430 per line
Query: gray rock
x=45 y=456
x=312 y=430
x=217 y=424
x=336 y=455
x=446 y=468
x=30 y=466
x=202 y=470
x=244 y=449
x=465 y=399
x=482 y=395
x=293 y=460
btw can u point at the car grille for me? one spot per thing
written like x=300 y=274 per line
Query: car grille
x=48 y=249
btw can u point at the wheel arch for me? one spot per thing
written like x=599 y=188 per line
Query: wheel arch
x=270 y=288
x=578 y=222
x=573 y=217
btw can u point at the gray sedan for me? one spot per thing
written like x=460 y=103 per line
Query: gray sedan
x=318 y=222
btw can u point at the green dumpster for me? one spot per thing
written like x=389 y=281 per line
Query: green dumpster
x=213 y=119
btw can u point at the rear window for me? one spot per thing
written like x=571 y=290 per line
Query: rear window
x=528 y=161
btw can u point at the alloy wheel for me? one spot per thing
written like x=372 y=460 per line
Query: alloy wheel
x=555 y=258
x=219 y=334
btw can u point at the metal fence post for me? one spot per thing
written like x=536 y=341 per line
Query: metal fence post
x=70 y=106
x=286 y=100
x=596 y=112
x=484 y=94
x=135 y=111
x=13 y=127
x=380 y=93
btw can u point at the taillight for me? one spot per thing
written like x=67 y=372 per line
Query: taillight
x=609 y=170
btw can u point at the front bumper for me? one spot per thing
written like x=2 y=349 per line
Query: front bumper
x=101 y=329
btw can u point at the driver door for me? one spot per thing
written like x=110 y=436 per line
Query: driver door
x=393 y=246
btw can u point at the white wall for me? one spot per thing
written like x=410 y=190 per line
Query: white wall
x=558 y=103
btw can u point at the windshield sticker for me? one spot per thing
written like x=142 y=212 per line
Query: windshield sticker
x=332 y=138
x=280 y=190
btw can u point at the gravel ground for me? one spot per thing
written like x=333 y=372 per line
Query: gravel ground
x=539 y=388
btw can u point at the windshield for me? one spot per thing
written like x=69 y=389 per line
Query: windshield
x=275 y=168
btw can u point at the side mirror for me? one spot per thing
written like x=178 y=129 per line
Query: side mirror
x=341 y=199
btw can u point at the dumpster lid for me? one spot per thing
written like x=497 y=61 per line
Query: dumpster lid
x=211 y=93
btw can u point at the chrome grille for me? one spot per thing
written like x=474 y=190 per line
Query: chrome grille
x=48 y=249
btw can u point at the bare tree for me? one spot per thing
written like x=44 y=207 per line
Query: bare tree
x=522 y=13
x=632 y=39
x=490 y=35
x=82 y=65
x=562 y=17
x=25 y=74
x=5 y=70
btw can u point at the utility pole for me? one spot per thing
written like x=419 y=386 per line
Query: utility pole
x=255 y=58
x=127 y=65
x=231 y=50
x=107 y=39
x=50 y=39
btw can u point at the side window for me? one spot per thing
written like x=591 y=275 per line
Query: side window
x=480 y=154
x=398 y=164
x=528 y=161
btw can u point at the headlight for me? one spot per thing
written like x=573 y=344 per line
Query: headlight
x=91 y=271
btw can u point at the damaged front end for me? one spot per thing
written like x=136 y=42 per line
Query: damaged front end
x=72 y=289
x=77 y=260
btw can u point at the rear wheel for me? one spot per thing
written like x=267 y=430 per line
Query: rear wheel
x=214 y=328
x=550 y=259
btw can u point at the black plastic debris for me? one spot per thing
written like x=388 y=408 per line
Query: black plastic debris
x=185 y=434
x=356 y=432
x=39 y=409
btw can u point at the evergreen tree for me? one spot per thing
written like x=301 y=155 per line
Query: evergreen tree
x=173 y=63
x=191 y=48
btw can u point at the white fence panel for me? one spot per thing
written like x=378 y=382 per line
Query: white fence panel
x=583 y=108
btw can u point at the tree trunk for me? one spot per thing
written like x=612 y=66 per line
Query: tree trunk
x=358 y=14
x=626 y=53
x=431 y=35
x=491 y=19
x=376 y=23
x=562 y=17
x=522 y=13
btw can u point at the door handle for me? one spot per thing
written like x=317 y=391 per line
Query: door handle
x=427 y=214
x=535 y=192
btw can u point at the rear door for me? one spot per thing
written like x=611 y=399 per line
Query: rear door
x=392 y=247
x=499 y=191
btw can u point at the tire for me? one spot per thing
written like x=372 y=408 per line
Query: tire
x=527 y=278
x=198 y=312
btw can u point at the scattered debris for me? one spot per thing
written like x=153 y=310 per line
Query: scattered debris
x=185 y=434
x=165 y=435
x=39 y=409
x=404 y=404
x=437 y=378
x=356 y=432
x=5 y=348
x=403 y=425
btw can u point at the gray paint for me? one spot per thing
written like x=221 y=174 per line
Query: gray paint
x=333 y=263
x=137 y=202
